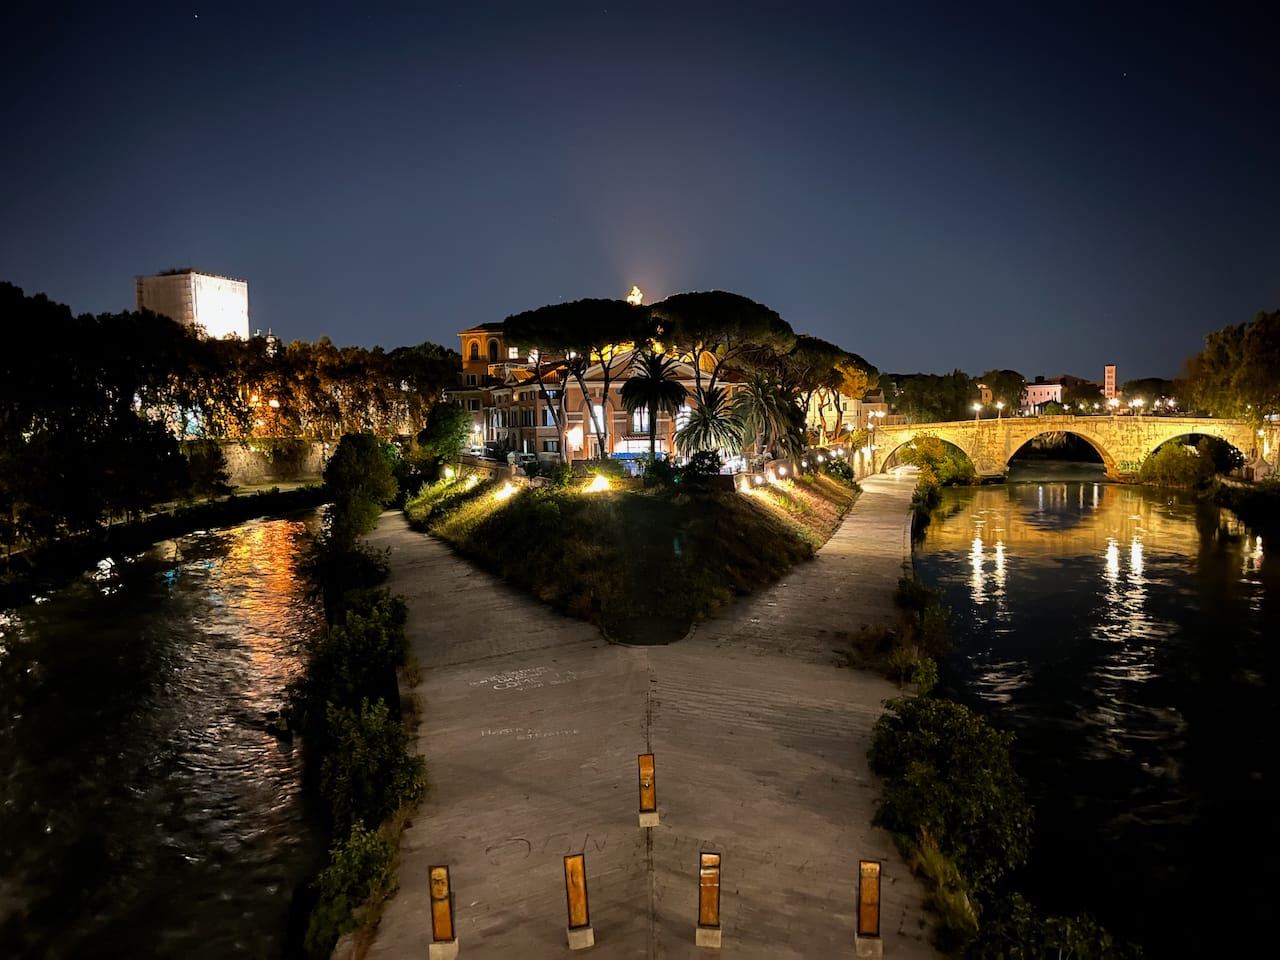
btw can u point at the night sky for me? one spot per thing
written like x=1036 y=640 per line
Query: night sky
x=932 y=187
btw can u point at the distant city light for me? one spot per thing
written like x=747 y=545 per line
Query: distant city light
x=635 y=297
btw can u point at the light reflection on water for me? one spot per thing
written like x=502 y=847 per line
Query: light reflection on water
x=1122 y=634
x=148 y=808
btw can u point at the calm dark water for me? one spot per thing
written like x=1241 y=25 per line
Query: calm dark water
x=145 y=808
x=1128 y=637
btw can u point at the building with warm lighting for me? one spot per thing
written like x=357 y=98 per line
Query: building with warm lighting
x=215 y=306
x=1109 y=391
x=514 y=400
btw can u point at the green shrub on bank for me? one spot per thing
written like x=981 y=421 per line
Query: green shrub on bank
x=368 y=772
x=947 y=773
x=349 y=662
x=360 y=478
x=1012 y=929
x=840 y=470
x=359 y=871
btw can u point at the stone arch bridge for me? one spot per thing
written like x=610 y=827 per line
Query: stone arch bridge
x=1123 y=442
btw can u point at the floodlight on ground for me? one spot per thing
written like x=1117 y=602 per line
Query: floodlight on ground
x=448 y=473
x=505 y=492
x=601 y=482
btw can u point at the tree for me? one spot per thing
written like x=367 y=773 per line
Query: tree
x=360 y=477
x=771 y=419
x=583 y=334
x=715 y=329
x=930 y=398
x=653 y=389
x=1237 y=374
x=446 y=431
x=713 y=425
x=1082 y=395
x=1007 y=386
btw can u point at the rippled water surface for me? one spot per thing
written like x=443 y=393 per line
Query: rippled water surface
x=146 y=807
x=1128 y=637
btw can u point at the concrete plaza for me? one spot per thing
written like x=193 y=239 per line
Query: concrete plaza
x=531 y=724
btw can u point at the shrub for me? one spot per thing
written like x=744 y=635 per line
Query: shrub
x=1175 y=465
x=348 y=662
x=947 y=773
x=368 y=773
x=360 y=477
x=1013 y=930
x=704 y=463
x=841 y=471
x=359 y=870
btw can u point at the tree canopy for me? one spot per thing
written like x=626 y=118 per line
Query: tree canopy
x=1237 y=374
x=714 y=329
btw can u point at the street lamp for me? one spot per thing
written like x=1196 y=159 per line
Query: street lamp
x=1114 y=404
x=977 y=409
x=999 y=408
x=1138 y=403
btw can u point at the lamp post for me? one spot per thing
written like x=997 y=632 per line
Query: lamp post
x=999 y=408
x=1114 y=404
x=977 y=409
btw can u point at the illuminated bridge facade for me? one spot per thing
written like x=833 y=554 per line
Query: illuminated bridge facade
x=1122 y=442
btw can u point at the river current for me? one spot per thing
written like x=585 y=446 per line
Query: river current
x=147 y=807
x=1127 y=636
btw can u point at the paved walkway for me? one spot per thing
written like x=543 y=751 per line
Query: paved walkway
x=531 y=724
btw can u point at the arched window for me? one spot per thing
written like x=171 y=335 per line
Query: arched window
x=493 y=351
x=475 y=349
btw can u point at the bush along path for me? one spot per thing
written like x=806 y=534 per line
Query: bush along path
x=957 y=808
x=347 y=708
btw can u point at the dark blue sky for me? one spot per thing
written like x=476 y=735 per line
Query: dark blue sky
x=1042 y=187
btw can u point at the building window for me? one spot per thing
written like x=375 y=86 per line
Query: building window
x=548 y=417
x=475 y=349
x=550 y=446
x=493 y=351
x=640 y=420
x=682 y=416
x=513 y=353
x=471 y=378
x=473 y=404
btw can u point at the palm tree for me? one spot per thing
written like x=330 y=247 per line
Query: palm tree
x=712 y=425
x=770 y=418
x=653 y=388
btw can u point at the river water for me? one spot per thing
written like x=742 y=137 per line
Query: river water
x=146 y=807
x=1127 y=635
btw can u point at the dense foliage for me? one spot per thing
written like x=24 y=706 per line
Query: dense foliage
x=89 y=432
x=1237 y=374
x=346 y=703
x=947 y=773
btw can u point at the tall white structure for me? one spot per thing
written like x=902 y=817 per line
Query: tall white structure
x=216 y=306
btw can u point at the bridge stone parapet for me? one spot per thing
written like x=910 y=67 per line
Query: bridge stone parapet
x=1122 y=442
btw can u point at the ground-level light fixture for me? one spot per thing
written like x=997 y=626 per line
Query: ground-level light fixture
x=505 y=492
x=601 y=482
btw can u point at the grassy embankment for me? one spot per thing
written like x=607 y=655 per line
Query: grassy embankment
x=643 y=564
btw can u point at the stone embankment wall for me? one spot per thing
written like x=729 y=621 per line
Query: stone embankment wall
x=274 y=461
